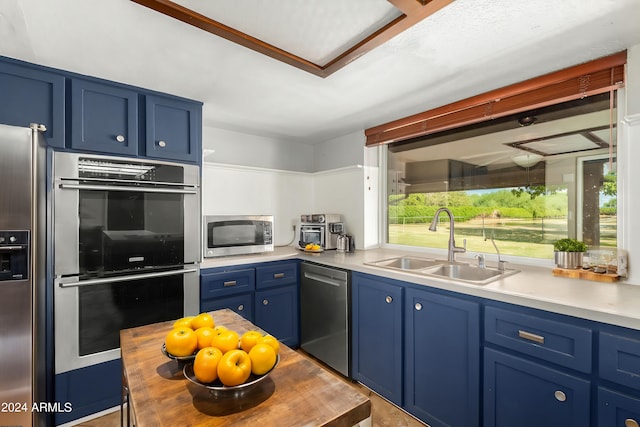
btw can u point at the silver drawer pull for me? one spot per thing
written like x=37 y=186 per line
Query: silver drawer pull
x=531 y=337
x=418 y=306
x=388 y=299
x=278 y=275
x=119 y=138
x=230 y=283
x=265 y=302
x=241 y=307
x=630 y=422
x=162 y=144
x=560 y=396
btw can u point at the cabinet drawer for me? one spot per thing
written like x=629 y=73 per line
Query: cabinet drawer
x=620 y=359
x=554 y=341
x=220 y=283
x=241 y=304
x=277 y=275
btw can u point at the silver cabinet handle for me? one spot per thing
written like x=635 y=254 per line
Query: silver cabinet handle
x=162 y=144
x=560 y=396
x=388 y=299
x=630 y=422
x=418 y=306
x=278 y=275
x=120 y=138
x=265 y=302
x=531 y=337
x=229 y=283
x=241 y=307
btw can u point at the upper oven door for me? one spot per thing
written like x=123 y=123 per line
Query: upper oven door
x=123 y=215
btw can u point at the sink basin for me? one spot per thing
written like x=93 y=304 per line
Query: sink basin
x=439 y=268
x=406 y=263
x=467 y=273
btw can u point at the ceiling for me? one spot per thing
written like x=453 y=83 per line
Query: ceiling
x=466 y=48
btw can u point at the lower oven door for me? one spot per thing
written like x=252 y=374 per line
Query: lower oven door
x=90 y=314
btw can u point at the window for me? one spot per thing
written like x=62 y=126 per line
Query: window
x=524 y=180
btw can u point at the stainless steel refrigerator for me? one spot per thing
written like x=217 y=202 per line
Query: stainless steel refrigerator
x=22 y=275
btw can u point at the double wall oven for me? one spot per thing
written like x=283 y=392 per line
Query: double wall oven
x=126 y=251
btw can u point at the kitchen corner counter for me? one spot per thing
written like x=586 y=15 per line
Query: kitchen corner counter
x=297 y=393
x=536 y=287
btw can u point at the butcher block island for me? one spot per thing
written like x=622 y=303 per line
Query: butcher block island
x=296 y=393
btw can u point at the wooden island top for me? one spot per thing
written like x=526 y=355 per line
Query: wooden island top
x=296 y=393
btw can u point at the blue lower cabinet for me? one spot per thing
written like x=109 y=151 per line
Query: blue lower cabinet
x=88 y=390
x=241 y=304
x=377 y=335
x=277 y=313
x=518 y=392
x=442 y=359
x=617 y=409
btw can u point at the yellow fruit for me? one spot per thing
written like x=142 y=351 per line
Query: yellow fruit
x=225 y=340
x=205 y=334
x=181 y=342
x=184 y=322
x=234 y=368
x=263 y=357
x=202 y=320
x=316 y=247
x=271 y=340
x=205 y=366
x=308 y=246
x=249 y=339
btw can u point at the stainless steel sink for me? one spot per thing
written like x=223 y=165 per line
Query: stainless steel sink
x=406 y=263
x=443 y=269
x=467 y=273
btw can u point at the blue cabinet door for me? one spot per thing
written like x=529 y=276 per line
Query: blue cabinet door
x=103 y=118
x=442 y=359
x=377 y=335
x=173 y=128
x=521 y=393
x=30 y=96
x=617 y=409
x=276 y=312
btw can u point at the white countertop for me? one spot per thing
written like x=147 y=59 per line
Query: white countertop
x=536 y=287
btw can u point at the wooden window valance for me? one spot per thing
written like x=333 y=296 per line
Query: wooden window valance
x=591 y=78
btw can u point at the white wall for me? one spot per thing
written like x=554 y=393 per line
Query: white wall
x=233 y=189
x=629 y=172
x=236 y=148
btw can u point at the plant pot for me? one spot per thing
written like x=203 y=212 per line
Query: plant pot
x=569 y=259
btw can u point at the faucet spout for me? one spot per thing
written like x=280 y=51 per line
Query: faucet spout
x=500 y=262
x=453 y=249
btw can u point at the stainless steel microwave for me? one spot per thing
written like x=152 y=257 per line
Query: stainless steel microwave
x=237 y=234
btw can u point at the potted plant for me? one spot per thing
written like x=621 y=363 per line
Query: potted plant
x=569 y=253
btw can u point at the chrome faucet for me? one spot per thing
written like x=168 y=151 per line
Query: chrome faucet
x=453 y=249
x=500 y=262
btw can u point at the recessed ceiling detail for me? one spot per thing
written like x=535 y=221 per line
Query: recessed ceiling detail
x=319 y=37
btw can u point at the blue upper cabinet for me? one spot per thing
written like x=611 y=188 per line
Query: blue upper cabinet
x=173 y=128
x=30 y=95
x=104 y=118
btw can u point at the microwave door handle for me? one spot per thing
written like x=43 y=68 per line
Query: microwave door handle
x=126 y=278
x=124 y=188
x=12 y=248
